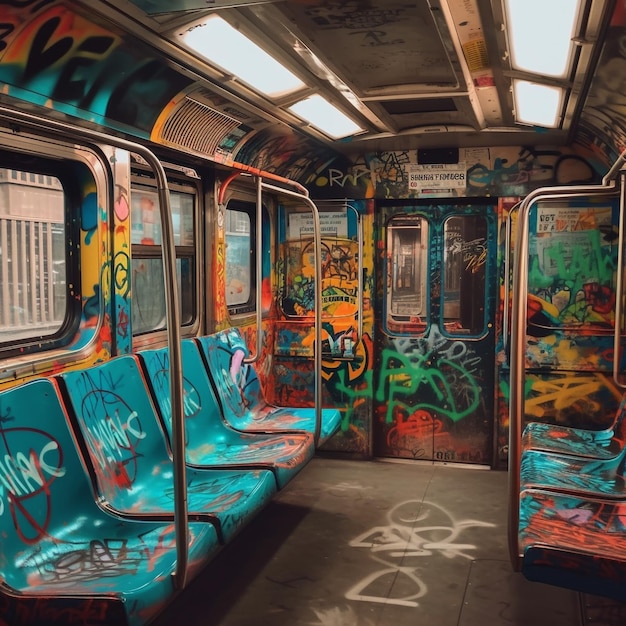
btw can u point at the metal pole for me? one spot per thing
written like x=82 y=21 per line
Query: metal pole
x=518 y=341
x=359 y=222
x=619 y=287
x=259 y=175
x=259 y=273
x=317 y=251
x=507 y=275
x=172 y=312
x=303 y=196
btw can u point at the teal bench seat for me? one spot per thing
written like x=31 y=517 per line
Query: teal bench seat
x=575 y=542
x=210 y=441
x=579 y=467
x=572 y=507
x=603 y=477
x=242 y=398
x=131 y=460
x=63 y=556
x=607 y=443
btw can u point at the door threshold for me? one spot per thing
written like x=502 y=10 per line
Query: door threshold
x=386 y=459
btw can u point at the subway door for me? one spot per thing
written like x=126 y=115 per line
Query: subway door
x=437 y=283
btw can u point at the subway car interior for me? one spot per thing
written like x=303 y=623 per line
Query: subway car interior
x=312 y=312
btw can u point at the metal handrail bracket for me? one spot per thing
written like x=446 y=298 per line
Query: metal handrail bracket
x=47 y=125
x=619 y=286
x=518 y=338
x=303 y=195
x=317 y=251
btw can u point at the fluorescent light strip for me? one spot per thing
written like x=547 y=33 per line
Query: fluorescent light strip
x=221 y=44
x=326 y=117
x=540 y=34
x=536 y=104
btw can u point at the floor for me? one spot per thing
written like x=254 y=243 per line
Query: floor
x=353 y=543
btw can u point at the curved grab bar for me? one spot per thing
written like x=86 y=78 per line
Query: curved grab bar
x=253 y=171
x=518 y=338
x=507 y=274
x=259 y=273
x=303 y=194
x=259 y=175
x=359 y=234
x=172 y=309
x=619 y=286
x=611 y=175
x=360 y=231
x=317 y=251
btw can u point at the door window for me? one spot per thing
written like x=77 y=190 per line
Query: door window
x=407 y=274
x=464 y=271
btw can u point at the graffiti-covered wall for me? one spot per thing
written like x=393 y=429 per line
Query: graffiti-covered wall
x=347 y=318
x=572 y=268
x=52 y=57
x=95 y=319
x=602 y=129
x=479 y=172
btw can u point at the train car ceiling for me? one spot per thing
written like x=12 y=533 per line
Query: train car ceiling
x=408 y=75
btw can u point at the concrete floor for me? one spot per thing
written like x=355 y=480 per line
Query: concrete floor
x=354 y=543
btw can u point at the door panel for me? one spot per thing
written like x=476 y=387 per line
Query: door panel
x=437 y=286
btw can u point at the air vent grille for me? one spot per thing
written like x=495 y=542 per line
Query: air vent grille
x=199 y=128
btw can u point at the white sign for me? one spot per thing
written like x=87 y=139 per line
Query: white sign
x=568 y=219
x=437 y=176
x=331 y=225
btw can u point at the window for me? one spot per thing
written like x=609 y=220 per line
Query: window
x=464 y=271
x=148 y=302
x=33 y=244
x=407 y=273
x=573 y=250
x=240 y=229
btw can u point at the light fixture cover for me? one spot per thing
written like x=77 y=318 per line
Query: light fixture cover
x=537 y=104
x=325 y=116
x=540 y=35
x=222 y=44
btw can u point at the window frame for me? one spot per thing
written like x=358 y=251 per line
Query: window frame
x=20 y=156
x=541 y=235
x=454 y=326
x=248 y=207
x=397 y=323
x=184 y=181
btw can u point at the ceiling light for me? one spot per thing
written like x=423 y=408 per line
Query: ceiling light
x=221 y=44
x=326 y=117
x=540 y=35
x=536 y=104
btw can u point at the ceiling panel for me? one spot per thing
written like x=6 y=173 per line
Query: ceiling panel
x=409 y=72
x=378 y=44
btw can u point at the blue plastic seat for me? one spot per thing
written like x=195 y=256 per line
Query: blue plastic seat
x=602 y=444
x=577 y=466
x=558 y=472
x=131 y=460
x=574 y=542
x=210 y=442
x=241 y=396
x=64 y=559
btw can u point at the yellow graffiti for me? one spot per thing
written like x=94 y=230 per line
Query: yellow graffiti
x=549 y=397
